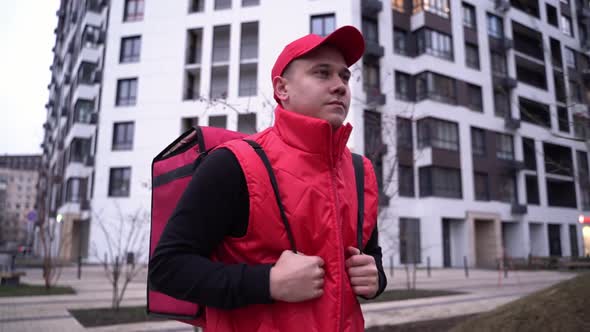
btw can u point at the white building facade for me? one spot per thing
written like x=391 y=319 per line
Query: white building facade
x=449 y=129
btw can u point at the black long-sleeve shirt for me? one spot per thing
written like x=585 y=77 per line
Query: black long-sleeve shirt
x=180 y=266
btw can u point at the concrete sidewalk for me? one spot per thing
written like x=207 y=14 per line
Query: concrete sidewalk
x=485 y=290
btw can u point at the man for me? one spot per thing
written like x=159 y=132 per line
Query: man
x=225 y=245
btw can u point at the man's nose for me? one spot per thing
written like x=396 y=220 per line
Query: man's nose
x=339 y=87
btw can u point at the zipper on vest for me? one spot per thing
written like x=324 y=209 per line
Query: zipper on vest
x=340 y=244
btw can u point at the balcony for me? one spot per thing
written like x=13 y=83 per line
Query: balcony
x=374 y=96
x=370 y=8
x=502 y=5
x=373 y=49
x=518 y=209
x=504 y=82
x=89 y=161
x=511 y=123
x=512 y=166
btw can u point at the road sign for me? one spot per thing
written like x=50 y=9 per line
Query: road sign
x=32 y=216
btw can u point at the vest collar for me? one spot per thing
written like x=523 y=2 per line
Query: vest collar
x=311 y=134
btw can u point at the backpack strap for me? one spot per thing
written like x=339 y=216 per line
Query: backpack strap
x=275 y=188
x=359 y=175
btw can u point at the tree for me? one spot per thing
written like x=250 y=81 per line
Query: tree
x=53 y=242
x=125 y=235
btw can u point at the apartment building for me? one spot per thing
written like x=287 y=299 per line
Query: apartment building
x=18 y=193
x=474 y=113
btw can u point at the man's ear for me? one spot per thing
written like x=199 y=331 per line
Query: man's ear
x=279 y=85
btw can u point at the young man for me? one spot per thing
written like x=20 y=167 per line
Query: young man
x=225 y=245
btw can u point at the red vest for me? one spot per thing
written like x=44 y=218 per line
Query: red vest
x=315 y=175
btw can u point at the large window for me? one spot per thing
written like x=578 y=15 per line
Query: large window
x=474 y=98
x=498 y=63
x=469 y=16
x=75 y=189
x=400 y=41
x=495 y=26
x=438 y=134
x=440 y=182
x=247 y=123
x=566 y=26
x=248 y=80
x=507 y=189
x=130 y=49
x=133 y=10
x=501 y=104
x=532 y=189
x=323 y=25
x=404 y=133
x=406 y=181
x=435 y=43
x=222 y=4
x=478 y=141
x=438 y=7
x=221 y=43
x=472 y=56
x=409 y=241
x=119 y=181
x=126 y=92
x=434 y=86
x=123 y=135
x=570 y=57
x=482 y=187
x=370 y=30
x=530 y=153
x=402 y=84
x=504 y=146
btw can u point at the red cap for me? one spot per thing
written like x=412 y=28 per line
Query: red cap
x=347 y=39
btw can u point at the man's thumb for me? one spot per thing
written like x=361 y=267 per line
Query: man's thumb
x=351 y=251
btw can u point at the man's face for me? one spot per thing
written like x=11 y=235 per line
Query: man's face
x=316 y=85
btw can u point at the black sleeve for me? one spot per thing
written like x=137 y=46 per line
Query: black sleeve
x=372 y=248
x=215 y=204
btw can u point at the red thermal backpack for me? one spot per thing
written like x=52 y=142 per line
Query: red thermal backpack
x=172 y=170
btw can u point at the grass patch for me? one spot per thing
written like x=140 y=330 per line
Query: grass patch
x=34 y=290
x=409 y=294
x=561 y=307
x=108 y=316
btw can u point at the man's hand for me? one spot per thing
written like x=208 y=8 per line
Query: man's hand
x=296 y=277
x=362 y=272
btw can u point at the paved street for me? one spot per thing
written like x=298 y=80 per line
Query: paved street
x=485 y=291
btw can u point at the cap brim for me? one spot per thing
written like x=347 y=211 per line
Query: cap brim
x=349 y=41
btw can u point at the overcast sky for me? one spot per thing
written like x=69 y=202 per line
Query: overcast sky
x=26 y=39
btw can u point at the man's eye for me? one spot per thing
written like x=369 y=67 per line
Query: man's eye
x=323 y=73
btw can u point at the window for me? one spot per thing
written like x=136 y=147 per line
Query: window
x=531 y=73
x=551 y=15
x=248 y=82
x=218 y=121
x=583 y=170
x=558 y=159
x=555 y=52
x=472 y=56
x=196 y=6
x=322 y=25
x=79 y=149
x=194 y=38
x=498 y=64
x=495 y=26
x=435 y=43
x=563 y=119
x=409 y=241
x=434 y=86
x=74 y=190
x=530 y=154
x=371 y=78
x=398 y=5
x=221 y=43
x=126 y=92
x=370 y=30
x=123 y=136
x=474 y=98
x=119 y=182
x=504 y=146
x=570 y=58
x=130 y=49
x=559 y=84
x=478 y=141
x=83 y=111
x=534 y=112
x=561 y=193
x=222 y=4
x=507 y=189
x=219 y=82
x=188 y=123
x=482 y=187
x=440 y=182
x=192 y=84
x=438 y=7
x=402 y=83
x=532 y=189
x=566 y=26
x=400 y=41
x=469 y=16
x=133 y=10
x=249 y=41
x=575 y=92
x=438 y=134
x=247 y=123
x=249 y=3
x=406 y=181
x=501 y=104
x=404 y=133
